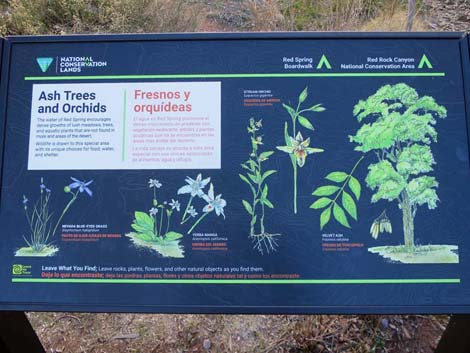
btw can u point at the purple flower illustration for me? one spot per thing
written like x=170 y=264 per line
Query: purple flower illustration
x=81 y=185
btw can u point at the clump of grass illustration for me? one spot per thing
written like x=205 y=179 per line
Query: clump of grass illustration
x=41 y=219
x=296 y=146
x=256 y=179
x=152 y=228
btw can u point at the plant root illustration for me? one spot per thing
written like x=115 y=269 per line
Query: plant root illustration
x=399 y=127
x=40 y=218
x=256 y=179
x=152 y=229
x=381 y=224
x=296 y=146
x=330 y=195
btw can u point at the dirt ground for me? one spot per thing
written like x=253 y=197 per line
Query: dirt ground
x=94 y=333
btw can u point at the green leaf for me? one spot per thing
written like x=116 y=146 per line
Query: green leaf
x=317 y=108
x=267 y=203
x=340 y=216
x=337 y=177
x=253 y=220
x=265 y=155
x=143 y=219
x=247 y=207
x=253 y=178
x=290 y=110
x=287 y=149
x=147 y=236
x=320 y=203
x=267 y=173
x=305 y=123
x=173 y=236
x=139 y=228
x=325 y=190
x=355 y=187
x=286 y=135
x=252 y=163
x=264 y=193
x=245 y=179
x=288 y=143
x=325 y=217
x=303 y=95
x=349 y=204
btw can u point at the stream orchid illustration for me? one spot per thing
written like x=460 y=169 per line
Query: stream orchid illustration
x=296 y=146
x=256 y=179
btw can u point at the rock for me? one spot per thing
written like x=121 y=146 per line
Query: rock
x=206 y=344
x=384 y=323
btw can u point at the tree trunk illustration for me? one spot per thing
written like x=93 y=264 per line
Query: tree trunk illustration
x=408 y=221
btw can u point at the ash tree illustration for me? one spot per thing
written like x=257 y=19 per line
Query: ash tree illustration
x=398 y=126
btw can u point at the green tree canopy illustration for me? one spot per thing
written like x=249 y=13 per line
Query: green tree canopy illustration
x=399 y=127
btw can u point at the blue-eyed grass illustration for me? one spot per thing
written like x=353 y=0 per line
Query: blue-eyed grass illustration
x=296 y=146
x=40 y=218
x=256 y=178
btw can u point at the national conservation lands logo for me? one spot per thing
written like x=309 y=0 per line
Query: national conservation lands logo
x=70 y=63
x=21 y=270
x=44 y=63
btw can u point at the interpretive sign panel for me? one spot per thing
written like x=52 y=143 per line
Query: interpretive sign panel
x=267 y=173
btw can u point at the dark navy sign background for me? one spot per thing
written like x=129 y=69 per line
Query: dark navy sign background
x=325 y=281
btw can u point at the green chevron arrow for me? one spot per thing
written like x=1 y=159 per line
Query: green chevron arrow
x=424 y=61
x=323 y=61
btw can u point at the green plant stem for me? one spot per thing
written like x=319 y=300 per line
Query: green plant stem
x=154 y=224
x=168 y=218
x=154 y=216
x=252 y=224
x=295 y=186
x=262 y=204
x=262 y=218
x=184 y=219
x=294 y=162
x=65 y=211
x=197 y=222
x=161 y=222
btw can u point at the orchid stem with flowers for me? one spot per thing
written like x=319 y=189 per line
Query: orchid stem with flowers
x=256 y=179
x=298 y=148
x=40 y=219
